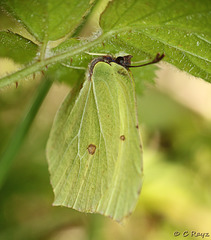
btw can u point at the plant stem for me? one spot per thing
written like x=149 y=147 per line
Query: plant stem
x=22 y=129
x=38 y=66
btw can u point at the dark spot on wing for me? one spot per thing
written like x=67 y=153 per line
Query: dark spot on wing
x=137 y=126
x=122 y=137
x=91 y=149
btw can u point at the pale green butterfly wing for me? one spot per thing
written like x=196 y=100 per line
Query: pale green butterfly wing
x=94 y=150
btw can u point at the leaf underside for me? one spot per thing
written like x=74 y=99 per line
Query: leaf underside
x=14 y=46
x=107 y=181
x=140 y=28
x=48 y=20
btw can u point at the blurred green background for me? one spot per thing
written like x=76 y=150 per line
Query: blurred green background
x=175 y=119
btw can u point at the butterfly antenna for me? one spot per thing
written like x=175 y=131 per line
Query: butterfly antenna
x=157 y=59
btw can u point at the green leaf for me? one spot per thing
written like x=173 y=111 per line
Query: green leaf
x=49 y=20
x=61 y=73
x=143 y=77
x=179 y=29
x=18 y=48
x=94 y=149
x=164 y=27
x=139 y=28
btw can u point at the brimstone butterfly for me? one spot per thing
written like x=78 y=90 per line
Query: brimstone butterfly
x=94 y=150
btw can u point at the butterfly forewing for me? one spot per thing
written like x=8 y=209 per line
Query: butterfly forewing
x=94 y=150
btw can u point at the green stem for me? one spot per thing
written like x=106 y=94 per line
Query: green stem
x=38 y=66
x=22 y=129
